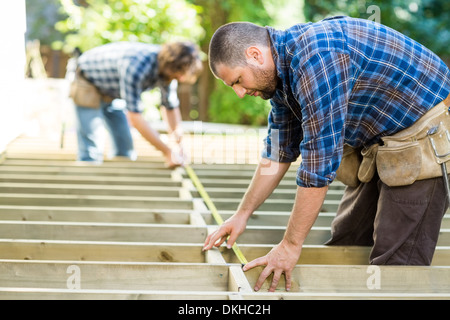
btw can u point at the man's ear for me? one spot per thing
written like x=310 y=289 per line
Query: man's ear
x=254 y=56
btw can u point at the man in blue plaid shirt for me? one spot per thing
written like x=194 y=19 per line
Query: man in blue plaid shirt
x=124 y=70
x=338 y=82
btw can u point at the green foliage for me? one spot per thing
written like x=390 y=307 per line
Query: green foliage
x=227 y=107
x=41 y=18
x=426 y=21
x=148 y=21
x=224 y=105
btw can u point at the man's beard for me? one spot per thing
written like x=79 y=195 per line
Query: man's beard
x=266 y=82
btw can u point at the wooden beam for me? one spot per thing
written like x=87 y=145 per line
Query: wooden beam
x=94 y=214
x=100 y=251
x=331 y=255
x=271 y=205
x=114 y=275
x=89 y=189
x=94 y=201
x=85 y=170
x=97 y=294
x=343 y=296
x=132 y=232
x=122 y=164
x=77 y=179
x=278 y=194
x=108 y=294
x=271 y=218
x=364 y=279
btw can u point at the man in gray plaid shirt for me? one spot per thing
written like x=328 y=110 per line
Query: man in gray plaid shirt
x=124 y=70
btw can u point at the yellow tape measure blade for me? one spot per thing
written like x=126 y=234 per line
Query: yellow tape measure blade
x=201 y=190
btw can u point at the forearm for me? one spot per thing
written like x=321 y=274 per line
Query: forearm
x=284 y=256
x=308 y=203
x=267 y=176
x=147 y=132
x=172 y=117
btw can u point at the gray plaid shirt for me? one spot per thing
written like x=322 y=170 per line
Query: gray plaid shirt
x=126 y=69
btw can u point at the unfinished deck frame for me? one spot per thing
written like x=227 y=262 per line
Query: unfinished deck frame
x=142 y=222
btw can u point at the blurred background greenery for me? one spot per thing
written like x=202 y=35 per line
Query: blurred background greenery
x=62 y=25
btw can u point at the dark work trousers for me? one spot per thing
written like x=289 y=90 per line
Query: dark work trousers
x=401 y=223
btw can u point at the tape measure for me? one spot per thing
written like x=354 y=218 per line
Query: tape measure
x=201 y=190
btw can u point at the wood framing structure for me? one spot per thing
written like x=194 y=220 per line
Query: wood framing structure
x=135 y=230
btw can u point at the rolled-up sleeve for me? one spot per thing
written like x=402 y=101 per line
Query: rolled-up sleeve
x=324 y=85
x=169 y=95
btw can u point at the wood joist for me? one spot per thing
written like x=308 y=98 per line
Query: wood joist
x=135 y=230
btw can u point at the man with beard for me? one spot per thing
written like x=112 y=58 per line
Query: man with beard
x=342 y=91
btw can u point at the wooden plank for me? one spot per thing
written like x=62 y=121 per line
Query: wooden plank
x=311 y=254
x=278 y=194
x=261 y=296
x=94 y=201
x=224 y=175
x=70 y=163
x=131 y=232
x=317 y=235
x=237 y=280
x=271 y=205
x=97 y=170
x=100 y=251
x=77 y=179
x=89 y=189
x=96 y=294
x=271 y=218
x=240 y=183
x=330 y=255
x=273 y=235
x=94 y=214
x=364 y=279
x=114 y=275
x=109 y=294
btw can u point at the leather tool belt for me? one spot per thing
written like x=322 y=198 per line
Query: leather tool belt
x=415 y=153
x=84 y=93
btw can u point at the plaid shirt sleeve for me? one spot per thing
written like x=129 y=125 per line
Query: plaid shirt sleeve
x=169 y=95
x=323 y=86
x=132 y=75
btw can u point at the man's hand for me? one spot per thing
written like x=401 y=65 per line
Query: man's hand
x=174 y=159
x=281 y=259
x=232 y=227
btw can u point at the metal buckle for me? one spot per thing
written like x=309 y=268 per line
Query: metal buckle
x=433 y=131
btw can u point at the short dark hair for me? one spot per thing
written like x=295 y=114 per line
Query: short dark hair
x=230 y=41
x=180 y=57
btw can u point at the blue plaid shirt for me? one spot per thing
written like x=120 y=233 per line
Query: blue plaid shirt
x=125 y=70
x=345 y=81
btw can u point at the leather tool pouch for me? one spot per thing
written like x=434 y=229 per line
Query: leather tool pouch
x=83 y=93
x=368 y=164
x=347 y=172
x=417 y=152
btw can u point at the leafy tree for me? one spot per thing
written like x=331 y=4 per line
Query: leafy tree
x=150 y=21
x=223 y=104
x=41 y=18
x=426 y=21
